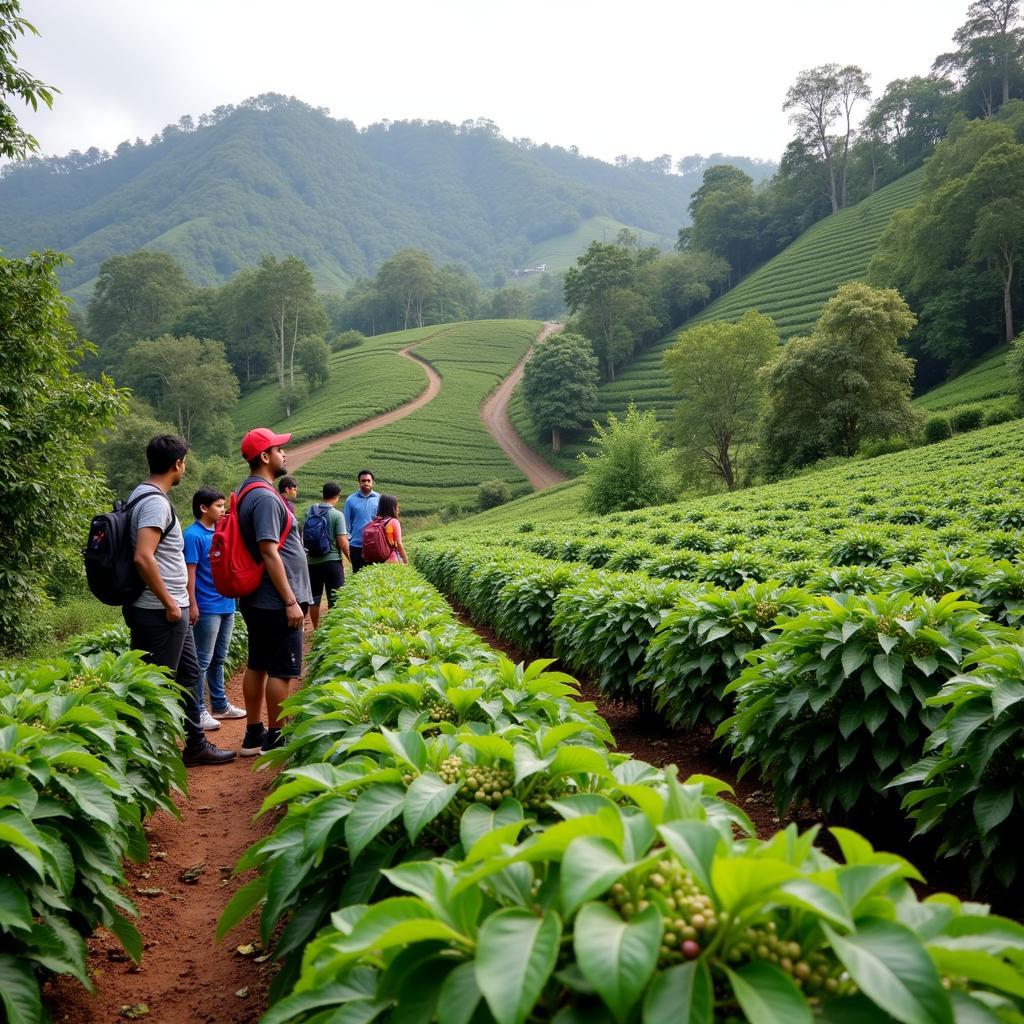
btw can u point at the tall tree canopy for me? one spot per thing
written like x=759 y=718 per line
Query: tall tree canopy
x=560 y=384
x=15 y=142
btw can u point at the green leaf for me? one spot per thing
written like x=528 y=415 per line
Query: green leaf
x=127 y=934
x=19 y=992
x=992 y=807
x=800 y=892
x=428 y=796
x=590 y=865
x=740 y=881
x=241 y=905
x=489 y=745
x=980 y=967
x=891 y=968
x=767 y=995
x=617 y=957
x=516 y=953
x=574 y=760
x=460 y=996
x=477 y=820
x=889 y=668
x=15 y=913
x=968 y=1010
x=681 y=994
x=408 y=747
x=375 y=809
x=694 y=843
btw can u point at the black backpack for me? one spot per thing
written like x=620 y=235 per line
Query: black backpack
x=110 y=555
x=316 y=532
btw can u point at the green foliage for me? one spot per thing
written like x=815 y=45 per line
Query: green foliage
x=15 y=142
x=560 y=384
x=87 y=751
x=845 y=383
x=967 y=790
x=936 y=428
x=836 y=707
x=50 y=416
x=630 y=469
x=965 y=418
x=1015 y=366
x=715 y=368
x=493 y=493
x=347 y=339
x=314 y=358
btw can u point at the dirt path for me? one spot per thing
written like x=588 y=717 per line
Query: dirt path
x=494 y=413
x=300 y=454
x=184 y=975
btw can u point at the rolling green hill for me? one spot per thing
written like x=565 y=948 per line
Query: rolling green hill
x=987 y=384
x=275 y=176
x=560 y=253
x=791 y=287
x=440 y=454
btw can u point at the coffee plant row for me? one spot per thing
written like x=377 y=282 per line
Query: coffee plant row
x=88 y=749
x=850 y=701
x=459 y=844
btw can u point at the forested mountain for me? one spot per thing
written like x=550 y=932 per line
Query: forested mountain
x=275 y=176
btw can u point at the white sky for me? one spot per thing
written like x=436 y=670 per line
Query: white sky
x=642 y=77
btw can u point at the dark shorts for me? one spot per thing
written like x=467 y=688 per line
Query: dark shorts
x=355 y=557
x=329 y=576
x=274 y=647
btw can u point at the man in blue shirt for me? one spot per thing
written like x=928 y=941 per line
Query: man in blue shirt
x=360 y=508
x=211 y=615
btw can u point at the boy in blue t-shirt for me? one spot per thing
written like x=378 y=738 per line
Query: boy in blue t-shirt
x=211 y=615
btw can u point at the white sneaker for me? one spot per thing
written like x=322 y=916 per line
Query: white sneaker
x=208 y=722
x=230 y=712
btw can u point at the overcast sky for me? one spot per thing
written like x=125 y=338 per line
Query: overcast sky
x=642 y=77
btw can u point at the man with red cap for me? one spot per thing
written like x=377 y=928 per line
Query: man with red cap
x=275 y=610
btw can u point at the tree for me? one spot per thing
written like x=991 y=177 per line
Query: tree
x=138 y=295
x=715 y=370
x=509 y=304
x=248 y=339
x=188 y=381
x=817 y=100
x=631 y=469
x=911 y=117
x=560 y=384
x=407 y=281
x=50 y=418
x=727 y=218
x=990 y=48
x=493 y=493
x=846 y=383
x=1015 y=364
x=314 y=358
x=15 y=142
x=287 y=299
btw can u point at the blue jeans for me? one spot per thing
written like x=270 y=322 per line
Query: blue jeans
x=213 y=635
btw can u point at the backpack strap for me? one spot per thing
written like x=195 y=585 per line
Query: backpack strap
x=156 y=490
x=239 y=495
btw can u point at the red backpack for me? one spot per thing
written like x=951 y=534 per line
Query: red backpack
x=376 y=547
x=235 y=572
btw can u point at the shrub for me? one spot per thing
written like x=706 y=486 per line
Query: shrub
x=493 y=493
x=936 y=428
x=346 y=340
x=966 y=418
x=836 y=707
x=882 y=446
x=1000 y=414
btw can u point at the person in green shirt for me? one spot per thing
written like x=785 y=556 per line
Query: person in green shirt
x=326 y=571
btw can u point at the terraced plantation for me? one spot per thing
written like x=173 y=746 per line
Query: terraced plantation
x=986 y=385
x=439 y=455
x=363 y=382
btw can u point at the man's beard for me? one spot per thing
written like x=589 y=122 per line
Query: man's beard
x=280 y=471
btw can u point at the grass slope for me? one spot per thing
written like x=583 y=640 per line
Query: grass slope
x=560 y=253
x=987 y=384
x=439 y=455
x=363 y=382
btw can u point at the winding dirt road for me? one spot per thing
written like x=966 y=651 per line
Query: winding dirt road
x=300 y=454
x=494 y=413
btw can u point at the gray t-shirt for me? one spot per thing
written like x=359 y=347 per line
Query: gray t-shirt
x=263 y=516
x=155 y=510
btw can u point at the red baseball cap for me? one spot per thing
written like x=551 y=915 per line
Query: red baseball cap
x=259 y=440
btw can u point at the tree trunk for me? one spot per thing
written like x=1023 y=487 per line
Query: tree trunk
x=1008 y=303
x=556 y=439
x=295 y=338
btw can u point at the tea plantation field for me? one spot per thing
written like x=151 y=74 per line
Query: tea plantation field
x=439 y=455
x=364 y=381
x=986 y=385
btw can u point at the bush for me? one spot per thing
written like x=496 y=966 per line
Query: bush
x=882 y=446
x=631 y=469
x=936 y=428
x=966 y=418
x=1001 y=414
x=493 y=493
x=346 y=340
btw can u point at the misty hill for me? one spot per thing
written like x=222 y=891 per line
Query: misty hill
x=276 y=176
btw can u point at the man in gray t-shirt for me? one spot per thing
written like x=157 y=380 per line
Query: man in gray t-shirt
x=158 y=619
x=275 y=611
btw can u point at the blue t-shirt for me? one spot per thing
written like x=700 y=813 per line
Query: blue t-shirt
x=359 y=510
x=197 y=553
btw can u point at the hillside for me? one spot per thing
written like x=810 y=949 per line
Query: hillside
x=276 y=176
x=987 y=384
x=439 y=455
x=791 y=287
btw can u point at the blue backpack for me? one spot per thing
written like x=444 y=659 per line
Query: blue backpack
x=316 y=531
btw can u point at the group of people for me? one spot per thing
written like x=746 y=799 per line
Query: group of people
x=181 y=621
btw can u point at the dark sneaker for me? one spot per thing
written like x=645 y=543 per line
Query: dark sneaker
x=207 y=754
x=252 y=744
x=272 y=740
